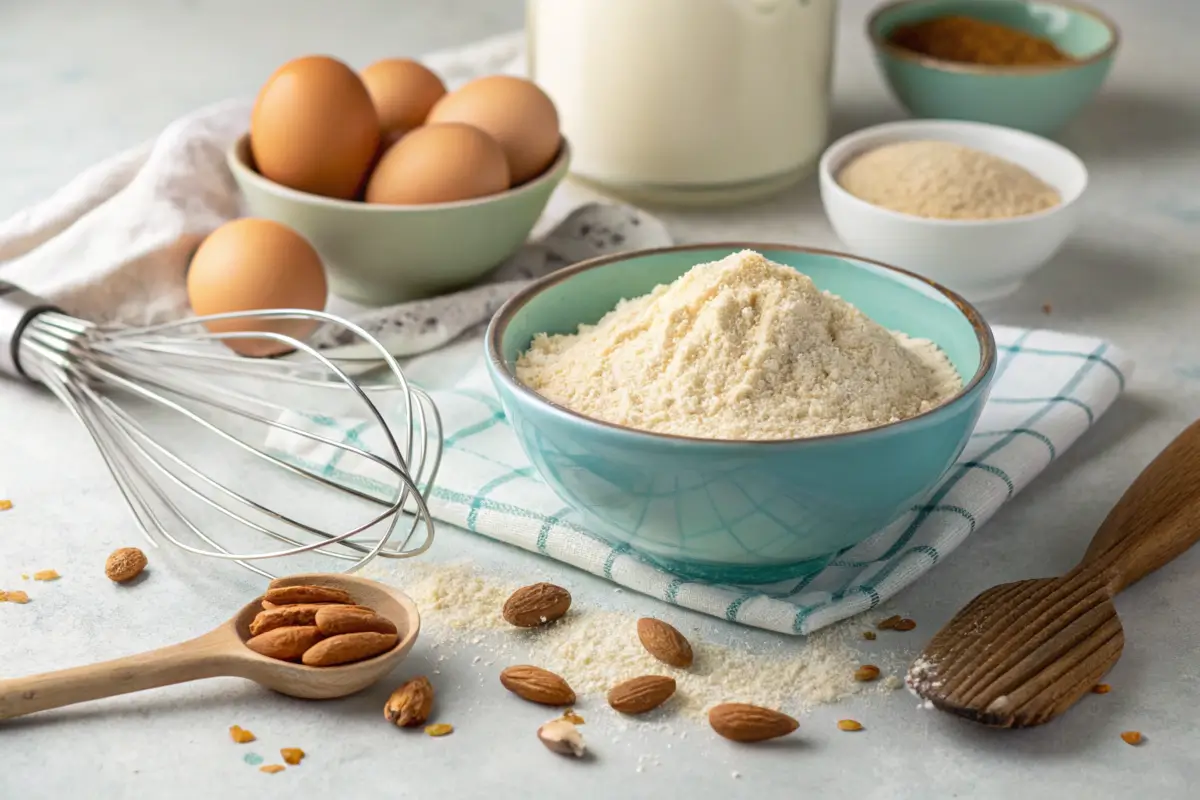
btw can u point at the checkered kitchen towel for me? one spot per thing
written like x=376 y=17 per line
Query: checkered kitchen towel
x=1050 y=388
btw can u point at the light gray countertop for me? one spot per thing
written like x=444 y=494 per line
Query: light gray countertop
x=81 y=81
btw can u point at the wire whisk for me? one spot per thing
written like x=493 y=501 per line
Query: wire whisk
x=212 y=450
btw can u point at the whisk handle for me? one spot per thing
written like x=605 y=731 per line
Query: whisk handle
x=205 y=657
x=17 y=308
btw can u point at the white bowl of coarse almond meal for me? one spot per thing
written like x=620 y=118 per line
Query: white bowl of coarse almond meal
x=974 y=207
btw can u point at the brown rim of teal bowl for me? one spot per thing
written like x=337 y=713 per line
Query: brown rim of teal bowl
x=499 y=322
x=238 y=165
x=883 y=44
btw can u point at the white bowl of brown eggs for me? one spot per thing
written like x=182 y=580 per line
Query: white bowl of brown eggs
x=975 y=207
x=405 y=190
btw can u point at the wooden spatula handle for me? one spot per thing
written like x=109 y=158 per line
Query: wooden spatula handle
x=199 y=658
x=1156 y=519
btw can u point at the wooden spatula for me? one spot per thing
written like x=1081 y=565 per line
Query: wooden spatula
x=1021 y=654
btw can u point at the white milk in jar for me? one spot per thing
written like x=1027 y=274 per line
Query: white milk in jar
x=687 y=101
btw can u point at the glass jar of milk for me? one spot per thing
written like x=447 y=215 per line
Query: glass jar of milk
x=687 y=102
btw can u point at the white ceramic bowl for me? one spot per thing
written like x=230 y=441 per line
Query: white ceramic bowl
x=980 y=259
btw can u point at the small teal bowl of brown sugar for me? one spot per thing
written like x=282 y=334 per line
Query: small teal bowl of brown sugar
x=1022 y=64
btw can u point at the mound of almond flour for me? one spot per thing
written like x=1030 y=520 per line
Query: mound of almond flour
x=741 y=348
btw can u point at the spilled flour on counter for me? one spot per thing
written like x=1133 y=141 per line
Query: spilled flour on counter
x=594 y=649
x=741 y=348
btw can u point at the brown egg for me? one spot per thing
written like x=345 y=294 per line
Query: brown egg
x=314 y=128
x=403 y=92
x=251 y=265
x=517 y=114
x=439 y=164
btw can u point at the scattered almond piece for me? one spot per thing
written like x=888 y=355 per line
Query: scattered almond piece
x=639 y=695
x=561 y=736
x=889 y=623
x=440 y=729
x=14 y=596
x=537 y=604
x=410 y=705
x=5 y=505
x=849 y=725
x=1047 y=308
x=125 y=564
x=537 y=685
x=570 y=716
x=905 y=625
x=867 y=672
x=1132 y=737
x=664 y=642
x=271 y=769
x=24 y=576
x=1101 y=688
x=240 y=734
x=292 y=755
x=742 y=722
x=46 y=575
x=869 y=636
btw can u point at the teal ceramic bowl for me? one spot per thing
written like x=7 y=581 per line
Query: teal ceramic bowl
x=737 y=511
x=1038 y=99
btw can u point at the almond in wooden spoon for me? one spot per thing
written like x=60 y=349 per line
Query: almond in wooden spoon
x=332 y=620
x=222 y=652
x=347 y=648
x=287 y=643
x=286 y=595
x=282 y=616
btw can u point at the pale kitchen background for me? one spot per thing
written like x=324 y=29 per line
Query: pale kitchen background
x=82 y=80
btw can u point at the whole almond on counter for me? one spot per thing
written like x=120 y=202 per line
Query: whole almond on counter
x=125 y=564
x=561 y=736
x=664 y=642
x=332 y=620
x=537 y=604
x=287 y=643
x=410 y=705
x=639 y=695
x=284 y=616
x=742 y=722
x=537 y=685
x=288 y=595
x=348 y=647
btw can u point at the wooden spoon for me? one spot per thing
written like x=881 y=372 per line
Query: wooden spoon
x=1021 y=654
x=222 y=652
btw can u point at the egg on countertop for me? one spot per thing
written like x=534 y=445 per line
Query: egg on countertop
x=439 y=163
x=314 y=128
x=515 y=112
x=253 y=265
x=403 y=92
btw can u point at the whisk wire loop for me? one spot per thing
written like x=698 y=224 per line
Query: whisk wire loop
x=133 y=388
